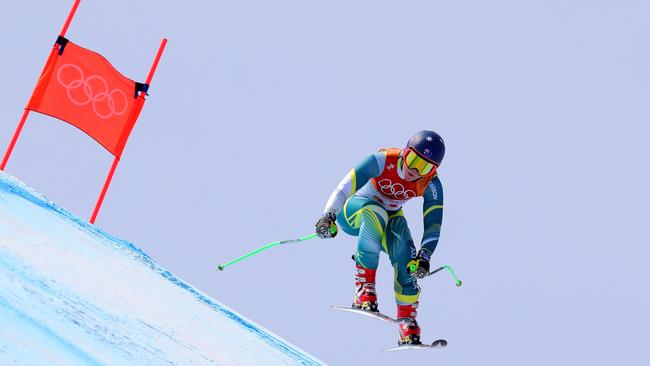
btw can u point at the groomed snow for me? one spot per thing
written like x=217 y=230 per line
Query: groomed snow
x=70 y=294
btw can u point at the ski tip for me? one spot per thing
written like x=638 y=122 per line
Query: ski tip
x=439 y=343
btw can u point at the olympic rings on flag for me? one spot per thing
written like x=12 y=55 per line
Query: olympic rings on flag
x=395 y=189
x=89 y=95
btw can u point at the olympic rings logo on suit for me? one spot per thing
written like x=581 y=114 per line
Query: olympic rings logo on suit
x=395 y=189
x=90 y=96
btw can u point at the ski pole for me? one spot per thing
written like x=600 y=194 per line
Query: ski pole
x=221 y=267
x=451 y=272
x=413 y=267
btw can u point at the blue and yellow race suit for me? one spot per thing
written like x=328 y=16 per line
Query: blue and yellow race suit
x=368 y=203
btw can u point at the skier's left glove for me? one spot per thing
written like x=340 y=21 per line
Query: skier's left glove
x=326 y=226
x=419 y=267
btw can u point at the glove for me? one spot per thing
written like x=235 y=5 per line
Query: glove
x=326 y=226
x=419 y=267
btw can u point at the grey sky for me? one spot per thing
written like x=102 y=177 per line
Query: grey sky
x=543 y=106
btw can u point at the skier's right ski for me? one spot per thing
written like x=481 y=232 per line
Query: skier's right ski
x=373 y=314
x=436 y=344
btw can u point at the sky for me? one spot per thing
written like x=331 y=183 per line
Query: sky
x=259 y=108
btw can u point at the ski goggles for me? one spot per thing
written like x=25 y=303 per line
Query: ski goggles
x=415 y=161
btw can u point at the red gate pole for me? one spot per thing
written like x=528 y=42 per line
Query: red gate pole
x=19 y=129
x=64 y=30
x=100 y=200
x=10 y=148
x=104 y=190
x=163 y=43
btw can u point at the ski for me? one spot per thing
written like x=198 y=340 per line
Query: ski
x=440 y=343
x=372 y=314
x=377 y=315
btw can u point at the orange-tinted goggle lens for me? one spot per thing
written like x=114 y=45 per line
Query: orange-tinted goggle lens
x=414 y=161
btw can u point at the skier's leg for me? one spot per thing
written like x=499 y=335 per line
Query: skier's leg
x=401 y=250
x=366 y=219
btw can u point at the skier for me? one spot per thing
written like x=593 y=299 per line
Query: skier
x=368 y=203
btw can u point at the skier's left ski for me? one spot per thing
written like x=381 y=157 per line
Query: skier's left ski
x=373 y=314
x=436 y=344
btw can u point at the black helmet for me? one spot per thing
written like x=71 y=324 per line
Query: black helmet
x=428 y=145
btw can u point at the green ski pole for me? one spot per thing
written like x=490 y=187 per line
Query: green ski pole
x=413 y=267
x=451 y=272
x=221 y=267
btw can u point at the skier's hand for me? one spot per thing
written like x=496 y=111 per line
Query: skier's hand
x=419 y=267
x=326 y=226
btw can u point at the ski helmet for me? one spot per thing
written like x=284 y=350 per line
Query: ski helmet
x=428 y=145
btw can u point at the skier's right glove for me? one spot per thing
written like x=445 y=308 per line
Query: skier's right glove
x=326 y=226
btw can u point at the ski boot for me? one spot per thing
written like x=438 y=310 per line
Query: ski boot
x=408 y=333
x=366 y=296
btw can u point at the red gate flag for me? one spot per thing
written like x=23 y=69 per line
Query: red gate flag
x=81 y=87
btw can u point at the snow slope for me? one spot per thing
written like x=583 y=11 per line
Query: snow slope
x=71 y=294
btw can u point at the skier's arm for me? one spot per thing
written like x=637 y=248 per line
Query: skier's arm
x=432 y=216
x=370 y=167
